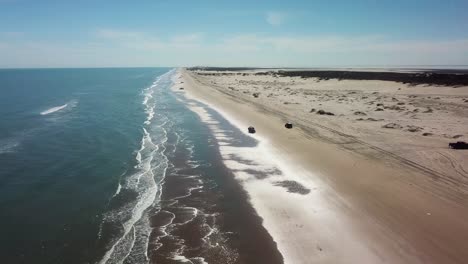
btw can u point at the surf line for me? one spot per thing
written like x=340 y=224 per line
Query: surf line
x=53 y=109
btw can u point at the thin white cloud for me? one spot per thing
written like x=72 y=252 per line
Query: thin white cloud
x=111 y=47
x=147 y=41
x=340 y=44
x=187 y=38
x=117 y=34
x=418 y=46
x=275 y=18
x=132 y=40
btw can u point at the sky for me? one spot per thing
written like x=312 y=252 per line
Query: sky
x=293 y=33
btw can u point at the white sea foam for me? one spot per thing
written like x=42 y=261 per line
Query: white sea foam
x=138 y=159
x=194 y=215
x=69 y=105
x=181 y=259
x=163 y=229
x=131 y=245
x=119 y=188
x=146 y=197
x=53 y=109
x=151 y=165
x=8 y=145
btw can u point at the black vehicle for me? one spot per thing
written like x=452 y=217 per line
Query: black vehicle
x=251 y=130
x=458 y=145
x=288 y=125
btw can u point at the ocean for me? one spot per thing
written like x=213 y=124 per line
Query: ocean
x=112 y=166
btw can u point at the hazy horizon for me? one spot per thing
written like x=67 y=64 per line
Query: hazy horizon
x=416 y=67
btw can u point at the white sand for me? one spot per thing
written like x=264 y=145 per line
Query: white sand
x=440 y=113
x=366 y=204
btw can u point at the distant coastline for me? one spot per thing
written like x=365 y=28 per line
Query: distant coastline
x=446 y=77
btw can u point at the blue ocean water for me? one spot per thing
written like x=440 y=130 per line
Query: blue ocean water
x=111 y=166
x=67 y=137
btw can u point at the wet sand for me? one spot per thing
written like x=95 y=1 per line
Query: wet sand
x=365 y=205
x=204 y=215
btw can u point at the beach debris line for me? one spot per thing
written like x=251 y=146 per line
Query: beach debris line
x=288 y=125
x=323 y=112
x=458 y=145
x=412 y=128
x=251 y=130
x=369 y=119
x=392 y=126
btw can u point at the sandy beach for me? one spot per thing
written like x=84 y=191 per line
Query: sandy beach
x=365 y=175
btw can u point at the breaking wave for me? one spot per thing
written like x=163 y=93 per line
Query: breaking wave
x=54 y=109
x=139 y=189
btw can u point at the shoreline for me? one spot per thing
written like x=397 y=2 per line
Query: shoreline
x=203 y=215
x=357 y=210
